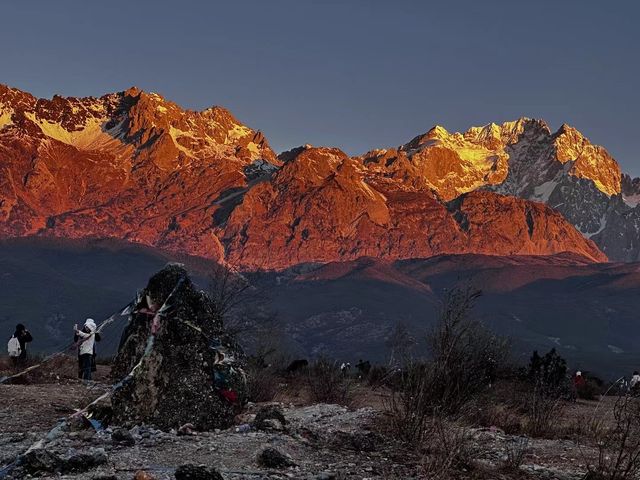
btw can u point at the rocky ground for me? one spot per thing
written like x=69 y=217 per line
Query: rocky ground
x=314 y=442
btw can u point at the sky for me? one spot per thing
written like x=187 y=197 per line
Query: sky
x=357 y=74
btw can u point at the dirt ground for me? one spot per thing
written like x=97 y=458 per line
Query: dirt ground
x=322 y=441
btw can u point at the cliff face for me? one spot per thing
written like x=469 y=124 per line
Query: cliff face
x=134 y=166
x=129 y=165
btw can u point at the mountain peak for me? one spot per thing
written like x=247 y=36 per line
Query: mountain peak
x=132 y=91
x=589 y=161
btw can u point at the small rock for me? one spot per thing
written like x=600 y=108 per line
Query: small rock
x=122 y=436
x=77 y=423
x=197 y=472
x=272 y=458
x=187 y=429
x=81 y=462
x=358 y=441
x=270 y=419
x=325 y=476
x=40 y=460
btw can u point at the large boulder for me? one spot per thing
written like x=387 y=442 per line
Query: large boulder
x=175 y=362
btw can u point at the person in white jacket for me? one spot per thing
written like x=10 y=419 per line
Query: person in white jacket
x=85 y=346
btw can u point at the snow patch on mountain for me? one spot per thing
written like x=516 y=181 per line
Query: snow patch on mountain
x=543 y=192
x=603 y=225
x=631 y=200
x=5 y=118
x=237 y=132
x=92 y=135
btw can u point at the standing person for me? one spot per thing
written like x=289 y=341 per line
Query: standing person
x=76 y=338
x=634 y=384
x=23 y=336
x=86 y=346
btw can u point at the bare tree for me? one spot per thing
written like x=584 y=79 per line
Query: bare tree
x=465 y=354
x=227 y=289
x=465 y=357
x=401 y=343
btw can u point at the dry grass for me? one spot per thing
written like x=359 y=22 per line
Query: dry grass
x=327 y=384
x=262 y=384
x=516 y=453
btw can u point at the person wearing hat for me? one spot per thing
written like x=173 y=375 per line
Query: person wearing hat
x=635 y=381
x=97 y=338
x=86 y=346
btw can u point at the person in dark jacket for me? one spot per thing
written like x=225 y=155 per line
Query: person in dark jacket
x=24 y=336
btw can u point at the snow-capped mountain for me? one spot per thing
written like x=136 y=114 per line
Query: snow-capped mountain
x=525 y=159
x=134 y=166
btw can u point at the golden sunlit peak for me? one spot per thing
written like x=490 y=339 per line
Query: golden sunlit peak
x=438 y=131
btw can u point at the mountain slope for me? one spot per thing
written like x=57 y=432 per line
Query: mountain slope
x=587 y=311
x=348 y=310
x=322 y=206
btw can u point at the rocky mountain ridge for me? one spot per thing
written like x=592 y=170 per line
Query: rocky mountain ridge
x=323 y=205
x=525 y=159
x=125 y=165
x=134 y=166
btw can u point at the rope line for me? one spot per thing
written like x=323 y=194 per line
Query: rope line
x=48 y=358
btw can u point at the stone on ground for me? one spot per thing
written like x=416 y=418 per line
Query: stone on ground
x=270 y=419
x=272 y=458
x=197 y=472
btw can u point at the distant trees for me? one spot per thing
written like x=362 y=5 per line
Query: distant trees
x=549 y=373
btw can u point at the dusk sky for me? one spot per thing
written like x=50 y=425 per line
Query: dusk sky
x=352 y=74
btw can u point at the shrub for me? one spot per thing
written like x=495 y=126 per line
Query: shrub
x=591 y=388
x=378 y=376
x=327 y=384
x=410 y=406
x=262 y=383
x=500 y=415
x=542 y=411
x=465 y=360
x=549 y=374
x=466 y=356
x=619 y=446
x=449 y=450
x=547 y=386
x=516 y=452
